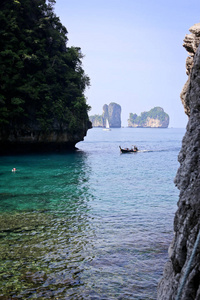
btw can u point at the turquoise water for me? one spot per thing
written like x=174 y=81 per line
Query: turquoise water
x=94 y=224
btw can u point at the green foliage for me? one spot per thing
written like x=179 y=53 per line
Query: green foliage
x=42 y=80
x=158 y=113
x=132 y=117
x=154 y=113
x=97 y=119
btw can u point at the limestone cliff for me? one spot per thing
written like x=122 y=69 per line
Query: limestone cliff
x=187 y=217
x=191 y=43
x=105 y=115
x=112 y=113
x=155 y=118
x=32 y=139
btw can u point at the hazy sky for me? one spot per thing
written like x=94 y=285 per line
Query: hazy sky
x=133 y=51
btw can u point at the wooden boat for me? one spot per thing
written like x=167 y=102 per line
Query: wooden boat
x=127 y=150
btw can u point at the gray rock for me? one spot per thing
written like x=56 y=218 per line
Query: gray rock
x=187 y=217
x=105 y=115
x=112 y=113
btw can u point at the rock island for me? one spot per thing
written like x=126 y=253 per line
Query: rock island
x=111 y=113
x=155 y=118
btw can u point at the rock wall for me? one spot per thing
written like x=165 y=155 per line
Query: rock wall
x=114 y=113
x=105 y=115
x=191 y=43
x=25 y=141
x=155 y=123
x=187 y=217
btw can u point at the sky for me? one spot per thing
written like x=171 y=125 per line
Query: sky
x=133 y=52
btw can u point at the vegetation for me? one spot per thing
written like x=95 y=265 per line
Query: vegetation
x=154 y=113
x=96 y=119
x=42 y=80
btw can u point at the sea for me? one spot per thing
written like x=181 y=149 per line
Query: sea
x=89 y=224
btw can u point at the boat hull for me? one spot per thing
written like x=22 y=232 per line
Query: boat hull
x=124 y=150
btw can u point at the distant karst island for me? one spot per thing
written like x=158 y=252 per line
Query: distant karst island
x=155 y=118
x=111 y=114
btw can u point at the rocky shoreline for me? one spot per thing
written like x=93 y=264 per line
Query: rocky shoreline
x=39 y=141
x=187 y=220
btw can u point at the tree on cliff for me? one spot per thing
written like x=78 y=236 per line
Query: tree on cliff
x=42 y=80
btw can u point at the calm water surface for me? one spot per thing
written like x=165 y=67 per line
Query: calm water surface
x=92 y=224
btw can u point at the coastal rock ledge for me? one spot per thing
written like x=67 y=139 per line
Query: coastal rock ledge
x=187 y=217
x=29 y=140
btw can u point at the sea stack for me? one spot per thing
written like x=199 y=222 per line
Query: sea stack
x=111 y=113
x=114 y=113
x=187 y=217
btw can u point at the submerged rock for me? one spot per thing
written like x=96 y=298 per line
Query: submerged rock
x=187 y=217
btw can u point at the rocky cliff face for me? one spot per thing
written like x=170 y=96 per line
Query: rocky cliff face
x=105 y=115
x=35 y=140
x=191 y=43
x=155 y=123
x=187 y=218
x=114 y=114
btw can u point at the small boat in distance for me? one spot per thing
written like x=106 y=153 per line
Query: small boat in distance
x=107 y=126
x=127 y=150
